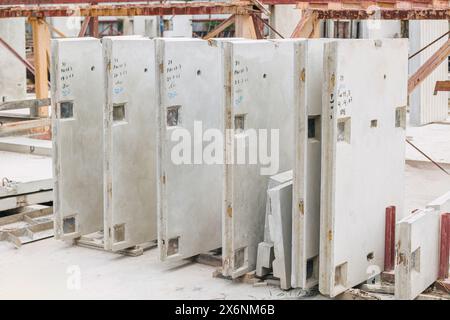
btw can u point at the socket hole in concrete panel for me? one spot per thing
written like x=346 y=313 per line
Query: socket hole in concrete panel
x=344 y=127
x=370 y=256
x=69 y=225
x=199 y=72
x=340 y=275
x=145 y=70
x=173 y=246
x=384 y=76
x=400 y=117
x=119 y=232
x=314 y=127
x=415 y=260
x=264 y=76
x=239 y=123
x=119 y=112
x=92 y=68
x=173 y=116
x=240 y=256
x=66 y=110
x=312 y=268
x=373 y=123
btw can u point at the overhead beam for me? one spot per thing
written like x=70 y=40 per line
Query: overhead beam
x=383 y=14
x=150 y=9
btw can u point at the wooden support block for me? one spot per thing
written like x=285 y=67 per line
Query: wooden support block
x=41 y=49
x=308 y=26
x=388 y=276
x=444 y=246
x=244 y=27
x=389 y=239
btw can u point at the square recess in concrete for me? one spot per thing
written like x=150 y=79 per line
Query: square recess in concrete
x=363 y=157
x=417 y=256
x=260 y=93
x=130 y=133
x=77 y=121
x=190 y=185
x=306 y=188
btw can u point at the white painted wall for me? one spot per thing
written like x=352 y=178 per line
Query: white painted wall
x=12 y=71
x=425 y=107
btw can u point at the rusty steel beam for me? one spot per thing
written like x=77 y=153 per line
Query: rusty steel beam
x=150 y=9
x=41 y=2
x=385 y=14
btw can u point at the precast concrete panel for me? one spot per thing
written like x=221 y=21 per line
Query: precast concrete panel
x=190 y=152
x=130 y=136
x=363 y=156
x=77 y=75
x=12 y=71
x=259 y=101
x=306 y=187
x=417 y=246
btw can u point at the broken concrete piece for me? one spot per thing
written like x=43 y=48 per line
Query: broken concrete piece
x=280 y=222
x=363 y=147
x=417 y=258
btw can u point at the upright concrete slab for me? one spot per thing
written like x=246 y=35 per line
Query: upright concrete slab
x=12 y=71
x=425 y=107
x=77 y=121
x=130 y=136
x=260 y=79
x=306 y=188
x=363 y=156
x=190 y=186
x=417 y=245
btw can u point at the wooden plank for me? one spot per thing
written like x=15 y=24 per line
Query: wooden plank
x=429 y=66
x=308 y=26
x=41 y=45
x=244 y=27
x=221 y=27
x=24 y=104
x=8 y=128
x=389 y=244
x=444 y=247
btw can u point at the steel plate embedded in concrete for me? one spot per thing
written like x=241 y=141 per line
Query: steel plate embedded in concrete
x=306 y=188
x=130 y=142
x=190 y=188
x=77 y=121
x=363 y=156
x=417 y=256
x=260 y=86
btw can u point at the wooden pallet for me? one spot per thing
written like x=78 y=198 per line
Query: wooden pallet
x=29 y=224
x=95 y=241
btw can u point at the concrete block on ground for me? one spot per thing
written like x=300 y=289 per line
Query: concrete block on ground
x=13 y=72
x=78 y=96
x=417 y=246
x=260 y=85
x=280 y=221
x=265 y=253
x=363 y=157
x=306 y=188
x=130 y=137
x=190 y=185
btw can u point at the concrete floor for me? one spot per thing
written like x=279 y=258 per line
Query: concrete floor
x=48 y=269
